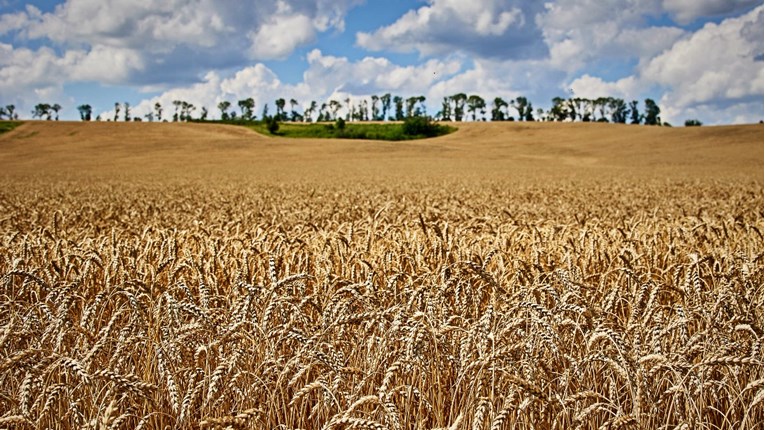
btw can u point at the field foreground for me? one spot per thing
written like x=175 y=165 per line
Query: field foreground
x=505 y=276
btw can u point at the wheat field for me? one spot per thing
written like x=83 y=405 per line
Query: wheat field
x=499 y=278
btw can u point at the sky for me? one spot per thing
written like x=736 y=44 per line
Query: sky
x=698 y=59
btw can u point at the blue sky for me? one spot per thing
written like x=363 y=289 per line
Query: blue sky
x=698 y=59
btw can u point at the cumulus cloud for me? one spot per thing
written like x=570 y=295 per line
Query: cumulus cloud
x=720 y=64
x=180 y=38
x=491 y=28
x=579 y=32
x=686 y=11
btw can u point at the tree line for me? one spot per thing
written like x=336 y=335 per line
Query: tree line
x=458 y=107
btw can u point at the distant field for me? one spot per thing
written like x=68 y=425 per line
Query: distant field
x=505 y=276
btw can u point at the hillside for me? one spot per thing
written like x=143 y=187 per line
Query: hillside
x=476 y=149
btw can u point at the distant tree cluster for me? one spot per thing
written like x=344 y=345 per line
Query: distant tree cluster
x=387 y=107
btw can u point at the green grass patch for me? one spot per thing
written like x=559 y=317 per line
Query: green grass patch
x=411 y=129
x=6 y=126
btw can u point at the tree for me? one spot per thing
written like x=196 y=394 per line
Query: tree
x=476 y=104
x=603 y=104
x=375 y=109
x=149 y=116
x=398 y=103
x=55 y=108
x=635 y=116
x=11 y=112
x=524 y=108
x=280 y=103
x=177 y=104
x=188 y=109
x=459 y=100
x=203 y=115
x=692 y=123
x=421 y=109
x=42 y=110
x=385 y=100
x=247 y=106
x=529 y=113
x=496 y=111
x=127 y=111
x=334 y=106
x=410 y=102
x=158 y=111
x=652 y=112
x=85 y=112
x=294 y=114
x=559 y=110
x=446 y=110
x=364 y=110
x=224 y=107
x=3 y=112
x=116 y=111
x=310 y=111
x=618 y=110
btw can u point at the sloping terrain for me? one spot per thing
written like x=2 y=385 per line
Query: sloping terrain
x=482 y=149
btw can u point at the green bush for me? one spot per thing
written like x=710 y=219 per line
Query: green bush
x=692 y=123
x=340 y=124
x=272 y=124
x=421 y=126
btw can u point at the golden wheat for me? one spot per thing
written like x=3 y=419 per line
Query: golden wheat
x=423 y=305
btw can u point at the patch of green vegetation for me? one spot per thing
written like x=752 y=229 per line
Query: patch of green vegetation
x=6 y=126
x=410 y=129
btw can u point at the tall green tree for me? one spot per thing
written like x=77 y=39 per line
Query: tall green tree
x=280 y=103
x=85 y=112
x=618 y=110
x=524 y=108
x=385 y=99
x=294 y=115
x=398 y=102
x=446 y=110
x=410 y=103
x=42 y=110
x=158 y=111
x=203 y=114
x=559 y=109
x=127 y=111
x=310 y=111
x=223 y=107
x=117 y=109
x=375 y=108
x=177 y=104
x=247 y=108
x=11 y=112
x=652 y=112
x=334 y=107
x=635 y=116
x=459 y=100
x=497 y=112
x=56 y=108
x=476 y=104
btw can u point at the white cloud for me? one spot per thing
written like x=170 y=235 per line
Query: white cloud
x=179 y=38
x=593 y=87
x=489 y=28
x=721 y=64
x=579 y=32
x=686 y=11
x=279 y=37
